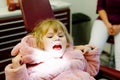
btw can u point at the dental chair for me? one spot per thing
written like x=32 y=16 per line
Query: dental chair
x=34 y=11
x=107 y=73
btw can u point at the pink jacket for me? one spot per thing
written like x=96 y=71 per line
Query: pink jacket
x=72 y=66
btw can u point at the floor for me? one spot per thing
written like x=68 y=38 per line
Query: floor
x=107 y=59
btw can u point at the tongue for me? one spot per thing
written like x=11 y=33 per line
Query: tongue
x=57 y=47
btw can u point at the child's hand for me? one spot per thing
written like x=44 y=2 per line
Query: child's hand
x=17 y=61
x=85 y=48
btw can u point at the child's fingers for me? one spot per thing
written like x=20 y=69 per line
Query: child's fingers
x=87 y=49
x=16 y=61
x=16 y=49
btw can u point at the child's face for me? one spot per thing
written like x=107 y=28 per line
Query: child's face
x=55 y=43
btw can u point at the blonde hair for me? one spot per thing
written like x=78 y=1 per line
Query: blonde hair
x=41 y=29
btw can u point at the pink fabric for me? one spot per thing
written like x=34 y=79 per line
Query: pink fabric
x=72 y=66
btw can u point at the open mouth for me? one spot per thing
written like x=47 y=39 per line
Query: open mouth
x=57 y=47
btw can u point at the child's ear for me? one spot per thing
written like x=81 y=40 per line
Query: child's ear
x=68 y=45
x=40 y=45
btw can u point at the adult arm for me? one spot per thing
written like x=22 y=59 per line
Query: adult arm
x=101 y=10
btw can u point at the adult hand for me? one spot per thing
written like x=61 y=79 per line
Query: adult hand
x=109 y=28
x=116 y=29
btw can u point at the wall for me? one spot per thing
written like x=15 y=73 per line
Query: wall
x=3 y=3
x=85 y=6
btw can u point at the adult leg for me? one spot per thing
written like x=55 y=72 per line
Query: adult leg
x=117 y=51
x=99 y=34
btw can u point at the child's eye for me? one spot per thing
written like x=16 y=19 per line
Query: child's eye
x=50 y=36
x=61 y=35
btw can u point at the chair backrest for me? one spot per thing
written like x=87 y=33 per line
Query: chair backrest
x=34 y=11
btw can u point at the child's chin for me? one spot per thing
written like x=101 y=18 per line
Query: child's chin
x=58 y=55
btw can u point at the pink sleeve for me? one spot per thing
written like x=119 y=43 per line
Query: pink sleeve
x=76 y=59
x=93 y=61
x=27 y=40
x=74 y=75
x=16 y=74
x=88 y=62
x=16 y=49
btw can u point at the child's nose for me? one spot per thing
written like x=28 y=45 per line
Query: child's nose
x=57 y=38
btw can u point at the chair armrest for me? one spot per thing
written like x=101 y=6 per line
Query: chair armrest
x=110 y=72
